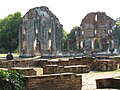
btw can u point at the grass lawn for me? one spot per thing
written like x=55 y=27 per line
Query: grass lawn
x=4 y=55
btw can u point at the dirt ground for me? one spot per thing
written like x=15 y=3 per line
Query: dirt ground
x=89 y=83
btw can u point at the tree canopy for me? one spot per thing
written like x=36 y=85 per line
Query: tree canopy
x=118 y=29
x=70 y=39
x=9 y=28
x=64 y=45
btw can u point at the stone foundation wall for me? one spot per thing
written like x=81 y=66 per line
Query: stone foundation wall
x=82 y=61
x=103 y=83
x=53 y=69
x=118 y=61
x=44 y=62
x=67 y=62
x=16 y=63
x=101 y=64
x=105 y=65
x=66 y=81
x=26 y=71
x=116 y=82
x=113 y=83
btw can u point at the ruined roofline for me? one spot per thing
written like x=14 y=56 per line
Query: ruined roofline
x=106 y=15
x=32 y=9
x=44 y=9
x=96 y=13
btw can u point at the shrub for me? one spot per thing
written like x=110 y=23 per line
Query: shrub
x=11 y=80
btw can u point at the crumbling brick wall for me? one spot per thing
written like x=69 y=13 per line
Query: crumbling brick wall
x=111 y=83
x=16 y=63
x=105 y=65
x=96 y=26
x=54 y=69
x=110 y=64
x=40 y=32
x=66 y=81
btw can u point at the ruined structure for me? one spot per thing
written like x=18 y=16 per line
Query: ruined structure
x=108 y=83
x=96 y=33
x=40 y=33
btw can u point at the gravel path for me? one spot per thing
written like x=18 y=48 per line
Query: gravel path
x=89 y=83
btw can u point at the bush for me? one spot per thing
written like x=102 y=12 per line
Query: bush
x=11 y=80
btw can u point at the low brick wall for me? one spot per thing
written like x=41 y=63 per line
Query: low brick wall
x=77 y=61
x=27 y=71
x=4 y=64
x=101 y=64
x=53 y=69
x=118 y=61
x=44 y=62
x=82 y=61
x=116 y=82
x=103 y=83
x=105 y=65
x=113 y=83
x=66 y=62
x=16 y=63
x=40 y=62
x=65 y=81
x=77 y=69
x=50 y=69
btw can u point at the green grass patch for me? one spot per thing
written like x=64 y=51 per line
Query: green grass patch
x=4 y=55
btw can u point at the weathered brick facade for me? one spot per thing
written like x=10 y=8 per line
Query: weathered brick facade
x=40 y=33
x=96 y=33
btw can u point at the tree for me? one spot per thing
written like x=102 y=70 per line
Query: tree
x=9 y=27
x=118 y=30
x=72 y=38
x=64 y=45
x=97 y=43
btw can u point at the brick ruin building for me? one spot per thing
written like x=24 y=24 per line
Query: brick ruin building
x=96 y=33
x=40 y=32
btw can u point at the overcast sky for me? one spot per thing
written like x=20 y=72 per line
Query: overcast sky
x=69 y=12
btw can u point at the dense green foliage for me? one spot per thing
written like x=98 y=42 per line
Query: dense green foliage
x=72 y=38
x=11 y=80
x=118 y=29
x=9 y=27
x=96 y=44
x=69 y=40
x=64 y=42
